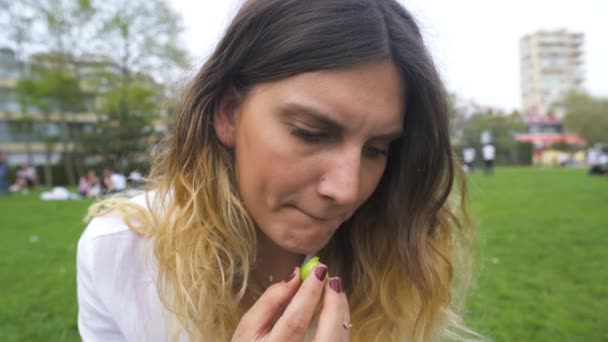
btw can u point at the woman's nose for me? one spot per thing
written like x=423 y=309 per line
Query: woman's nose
x=341 y=179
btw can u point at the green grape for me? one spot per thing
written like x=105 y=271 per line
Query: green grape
x=308 y=267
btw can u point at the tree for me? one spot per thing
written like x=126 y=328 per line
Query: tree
x=587 y=116
x=127 y=42
x=142 y=37
x=502 y=128
x=15 y=21
x=68 y=26
x=124 y=133
x=51 y=91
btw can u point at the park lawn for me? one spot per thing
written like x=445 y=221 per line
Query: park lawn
x=37 y=268
x=540 y=260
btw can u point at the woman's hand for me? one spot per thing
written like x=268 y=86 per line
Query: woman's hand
x=285 y=310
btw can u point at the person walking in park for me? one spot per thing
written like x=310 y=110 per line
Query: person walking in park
x=489 y=153
x=468 y=155
x=316 y=128
x=596 y=159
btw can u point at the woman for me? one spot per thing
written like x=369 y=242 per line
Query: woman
x=317 y=127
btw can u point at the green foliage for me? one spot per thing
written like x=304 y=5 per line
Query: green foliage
x=523 y=153
x=565 y=147
x=112 y=49
x=124 y=125
x=55 y=91
x=502 y=128
x=50 y=91
x=587 y=116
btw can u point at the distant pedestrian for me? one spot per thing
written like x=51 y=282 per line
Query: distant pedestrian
x=489 y=153
x=538 y=157
x=469 y=159
x=3 y=175
x=594 y=159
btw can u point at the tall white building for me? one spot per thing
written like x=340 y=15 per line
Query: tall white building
x=551 y=66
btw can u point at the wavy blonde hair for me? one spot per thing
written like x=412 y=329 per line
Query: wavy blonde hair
x=404 y=252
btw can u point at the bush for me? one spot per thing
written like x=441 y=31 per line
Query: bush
x=523 y=153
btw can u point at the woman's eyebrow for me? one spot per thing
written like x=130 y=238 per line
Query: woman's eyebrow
x=389 y=136
x=312 y=114
x=319 y=118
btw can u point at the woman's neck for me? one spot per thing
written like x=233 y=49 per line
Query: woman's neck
x=273 y=263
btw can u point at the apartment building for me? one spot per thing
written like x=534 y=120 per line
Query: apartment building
x=33 y=144
x=551 y=66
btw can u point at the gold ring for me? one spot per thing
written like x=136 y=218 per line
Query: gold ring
x=347 y=325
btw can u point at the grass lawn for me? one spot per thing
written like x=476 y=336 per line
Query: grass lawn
x=541 y=265
x=37 y=268
x=541 y=273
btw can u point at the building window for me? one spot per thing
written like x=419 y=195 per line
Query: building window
x=47 y=129
x=552 y=80
x=8 y=101
x=5 y=132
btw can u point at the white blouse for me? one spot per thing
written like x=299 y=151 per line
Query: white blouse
x=116 y=276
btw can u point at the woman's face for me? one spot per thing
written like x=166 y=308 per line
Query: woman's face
x=310 y=149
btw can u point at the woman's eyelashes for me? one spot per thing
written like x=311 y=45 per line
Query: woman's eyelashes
x=312 y=136
x=375 y=152
x=308 y=135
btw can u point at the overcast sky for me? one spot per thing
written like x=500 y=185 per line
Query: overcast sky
x=474 y=42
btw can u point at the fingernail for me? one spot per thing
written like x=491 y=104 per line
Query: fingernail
x=321 y=272
x=291 y=275
x=336 y=284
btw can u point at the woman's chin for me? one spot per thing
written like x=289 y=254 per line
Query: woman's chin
x=306 y=246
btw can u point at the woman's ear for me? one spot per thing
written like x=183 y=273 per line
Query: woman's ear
x=224 y=120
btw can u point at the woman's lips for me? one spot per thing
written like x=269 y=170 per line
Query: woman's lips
x=314 y=217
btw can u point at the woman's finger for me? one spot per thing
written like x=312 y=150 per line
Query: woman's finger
x=335 y=316
x=258 y=321
x=295 y=321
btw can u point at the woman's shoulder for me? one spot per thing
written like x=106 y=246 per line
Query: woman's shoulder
x=109 y=239
x=110 y=254
x=116 y=273
x=111 y=225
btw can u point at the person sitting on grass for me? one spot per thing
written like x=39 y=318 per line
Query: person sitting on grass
x=93 y=184
x=25 y=179
x=4 y=184
x=114 y=182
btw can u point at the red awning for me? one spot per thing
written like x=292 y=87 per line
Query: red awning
x=551 y=139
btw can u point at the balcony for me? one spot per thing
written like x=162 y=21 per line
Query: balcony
x=7 y=82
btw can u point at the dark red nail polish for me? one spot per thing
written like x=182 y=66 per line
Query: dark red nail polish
x=321 y=272
x=291 y=275
x=336 y=284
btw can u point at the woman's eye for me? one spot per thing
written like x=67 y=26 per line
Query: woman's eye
x=374 y=152
x=308 y=135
